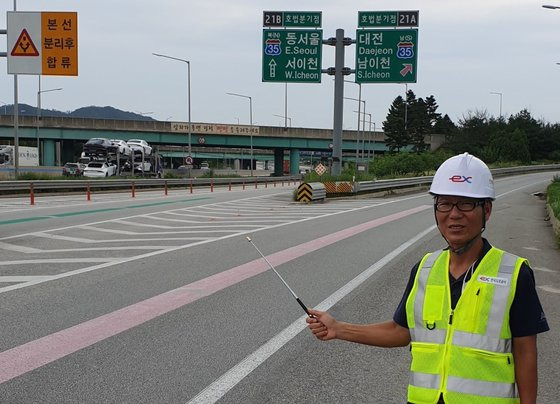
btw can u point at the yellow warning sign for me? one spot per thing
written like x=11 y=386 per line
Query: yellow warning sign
x=24 y=46
x=60 y=43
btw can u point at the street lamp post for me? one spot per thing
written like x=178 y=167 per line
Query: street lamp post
x=500 y=94
x=188 y=89
x=38 y=117
x=250 y=121
x=287 y=118
x=360 y=112
x=369 y=134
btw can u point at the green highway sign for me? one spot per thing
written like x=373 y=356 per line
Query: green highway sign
x=386 y=55
x=292 y=56
x=377 y=19
x=300 y=19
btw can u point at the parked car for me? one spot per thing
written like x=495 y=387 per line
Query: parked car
x=204 y=166
x=121 y=147
x=98 y=145
x=137 y=145
x=99 y=169
x=73 y=169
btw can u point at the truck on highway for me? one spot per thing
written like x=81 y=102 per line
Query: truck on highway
x=28 y=156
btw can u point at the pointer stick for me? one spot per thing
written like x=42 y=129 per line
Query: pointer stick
x=282 y=279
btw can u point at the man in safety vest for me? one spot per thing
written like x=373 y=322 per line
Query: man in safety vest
x=470 y=312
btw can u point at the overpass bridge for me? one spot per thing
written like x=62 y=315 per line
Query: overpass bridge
x=62 y=138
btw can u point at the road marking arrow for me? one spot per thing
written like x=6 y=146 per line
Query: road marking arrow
x=272 y=66
x=407 y=69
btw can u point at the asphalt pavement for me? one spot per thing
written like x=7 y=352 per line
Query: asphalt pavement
x=163 y=300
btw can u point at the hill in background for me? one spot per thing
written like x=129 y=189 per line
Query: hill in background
x=84 y=112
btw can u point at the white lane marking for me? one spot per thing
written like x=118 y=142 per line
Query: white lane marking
x=13 y=247
x=57 y=261
x=209 y=225
x=126 y=217
x=122 y=248
x=229 y=220
x=120 y=240
x=137 y=233
x=232 y=377
x=180 y=247
x=543 y=269
x=531 y=248
x=549 y=288
x=11 y=279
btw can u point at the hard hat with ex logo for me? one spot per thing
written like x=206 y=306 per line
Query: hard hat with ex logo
x=463 y=175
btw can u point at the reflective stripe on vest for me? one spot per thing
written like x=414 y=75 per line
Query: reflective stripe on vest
x=420 y=332
x=499 y=302
x=477 y=341
x=480 y=388
x=492 y=341
x=425 y=380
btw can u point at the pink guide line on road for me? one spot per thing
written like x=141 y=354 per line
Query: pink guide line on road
x=34 y=354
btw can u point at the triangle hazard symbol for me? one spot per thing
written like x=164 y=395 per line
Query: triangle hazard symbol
x=24 y=46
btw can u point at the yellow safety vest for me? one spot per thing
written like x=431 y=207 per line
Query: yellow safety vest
x=465 y=353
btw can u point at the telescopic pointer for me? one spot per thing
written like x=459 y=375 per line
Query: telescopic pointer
x=282 y=279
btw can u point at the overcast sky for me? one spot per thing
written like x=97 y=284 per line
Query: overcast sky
x=467 y=49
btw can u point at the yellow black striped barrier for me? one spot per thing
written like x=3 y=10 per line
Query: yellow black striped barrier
x=311 y=191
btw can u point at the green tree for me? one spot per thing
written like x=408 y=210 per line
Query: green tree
x=419 y=125
x=445 y=126
x=431 y=107
x=538 y=142
x=394 y=126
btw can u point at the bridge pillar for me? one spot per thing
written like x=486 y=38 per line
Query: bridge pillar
x=294 y=161
x=48 y=156
x=278 y=162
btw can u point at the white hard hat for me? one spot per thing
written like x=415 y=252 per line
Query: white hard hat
x=463 y=175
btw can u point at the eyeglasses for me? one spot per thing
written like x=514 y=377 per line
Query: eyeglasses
x=463 y=206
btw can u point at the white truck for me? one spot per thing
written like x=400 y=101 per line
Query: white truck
x=28 y=156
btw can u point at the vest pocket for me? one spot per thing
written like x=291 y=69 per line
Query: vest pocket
x=477 y=364
x=426 y=357
x=433 y=304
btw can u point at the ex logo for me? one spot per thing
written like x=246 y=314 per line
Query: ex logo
x=460 y=178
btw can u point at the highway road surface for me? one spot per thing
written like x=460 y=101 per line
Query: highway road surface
x=161 y=299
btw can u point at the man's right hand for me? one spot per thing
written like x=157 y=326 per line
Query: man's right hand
x=322 y=325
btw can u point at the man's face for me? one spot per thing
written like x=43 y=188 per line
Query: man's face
x=460 y=219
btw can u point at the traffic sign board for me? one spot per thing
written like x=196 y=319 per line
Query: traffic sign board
x=386 y=56
x=320 y=169
x=301 y=19
x=377 y=19
x=43 y=43
x=188 y=160
x=24 y=46
x=292 y=56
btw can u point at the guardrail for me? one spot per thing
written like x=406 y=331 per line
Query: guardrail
x=358 y=187
x=369 y=186
x=111 y=184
